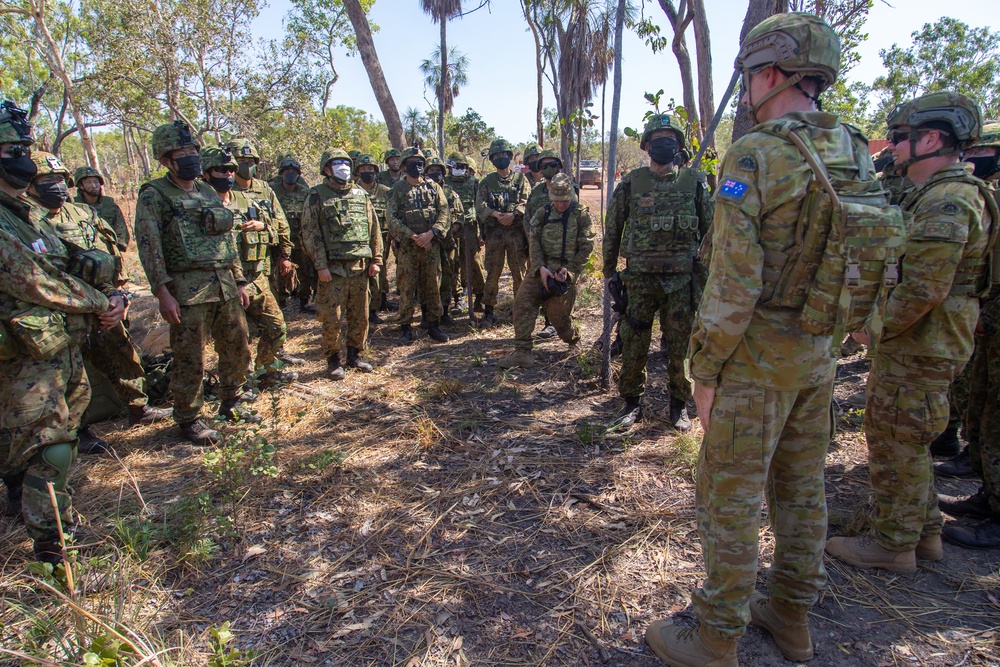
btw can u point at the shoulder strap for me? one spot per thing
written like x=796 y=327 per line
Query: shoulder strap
x=786 y=130
x=643 y=179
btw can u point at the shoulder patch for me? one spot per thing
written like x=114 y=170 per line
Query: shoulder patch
x=950 y=208
x=733 y=189
x=746 y=163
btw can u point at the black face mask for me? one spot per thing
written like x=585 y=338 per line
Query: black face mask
x=533 y=167
x=222 y=183
x=18 y=171
x=501 y=162
x=52 y=195
x=290 y=178
x=247 y=170
x=436 y=176
x=662 y=150
x=414 y=169
x=984 y=167
x=368 y=177
x=188 y=167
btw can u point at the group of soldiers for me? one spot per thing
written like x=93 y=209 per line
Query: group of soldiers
x=756 y=286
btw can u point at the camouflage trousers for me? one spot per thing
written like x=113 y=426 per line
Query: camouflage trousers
x=307 y=273
x=379 y=285
x=958 y=399
x=983 y=415
x=504 y=245
x=907 y=408
x=646 y=296
x=343 y=298
x=478 y=272
x=449 y=275
x=226 y=323
x=762 y=441
x=113 y=353
x=418 y=274
x=41 y=404
x=529 y=299
x=264 y=313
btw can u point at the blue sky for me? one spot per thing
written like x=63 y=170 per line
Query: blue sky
x=501 y=53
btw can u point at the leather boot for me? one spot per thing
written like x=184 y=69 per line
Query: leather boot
x=405 y=335
x=90 y=443
x=678 y=646
x=305 y=307
x=976 y=506
x=373 y=317
x=984 y=536
x=679 y=414
x=15 y=485
x=548 y=331
x=333 y=367
x=200 y=434
x=519 y=359
x=488 y=319
x=477 y=304
x=434 y=331
x=424 y=322
x=146 y=414
x=865 y=553
x=446 y=315
x=630 y=414
x=286 y=358
x=929 y=548
x=947 y=443
x=959 y=467
x=787 y=625
x=354 y=361
x=47 y=550
x=231 y=410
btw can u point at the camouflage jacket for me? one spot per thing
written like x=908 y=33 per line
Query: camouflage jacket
x=539 y=197
x=388 y=180
x=254 y=271
x=763 y=181
x=153 y=213
x=292 y=202
x=261 y=192
x=379 y=195
x=923 y=317
x=466 y=190
x=457 y=213
x=111 y=213
x=405 y=199
x=506 y=195
x=546 y=236
x=314 y=243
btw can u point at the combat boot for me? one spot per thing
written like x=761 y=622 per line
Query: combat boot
x=446 y=318
x=865 y=553
x=272 y=379
x=146 y=414
x=679 y=414
x=424 y=322
x=354 y=361
x=519 y=359
x=47 y=550
x=383 y=304
x=788 y=626
x=488 y=319
x=286 y=358
x=976 y=506
x=548 y=331
x=858 y=400
x=405 y=335
x=231 y=410
x=434 y=331
x=90 y=443
x=477 y=304
x=690 y=647
x=947 y=444
x=333 y=367
x=984 y=536
x=959 y=467
x=929 y=548
x=200 y=434
x=373 y=317
x=15 y=485
x=305 y=306
x=630 y=414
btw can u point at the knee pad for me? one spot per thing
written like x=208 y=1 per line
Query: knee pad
x=57 y=459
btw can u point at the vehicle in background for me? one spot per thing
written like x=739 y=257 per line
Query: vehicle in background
x=591 y=173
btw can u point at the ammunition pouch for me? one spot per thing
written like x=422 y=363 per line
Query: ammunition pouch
x=40 y=332
x=93 y=266
x=217 y=220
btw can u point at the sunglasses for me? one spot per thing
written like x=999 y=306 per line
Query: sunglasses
x=19 y=150
x=897 y=137
x=225 y=170
x=548 y=163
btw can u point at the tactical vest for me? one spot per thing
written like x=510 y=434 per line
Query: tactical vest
x=559 y=231
x=503 y=196
x=344 y=223
x=466 y=190
x=197 y=234
x=292 y=203
x=378 y=199
x=420 y=211
x=80 y=230
x=661 y=232
x=253 y=246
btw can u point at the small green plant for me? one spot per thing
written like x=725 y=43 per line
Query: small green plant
x=477 y=358
x=588 y=362
x=589 y=432
x=137 y=535
x=222 y=654
x=328 y=458
x=106 y=651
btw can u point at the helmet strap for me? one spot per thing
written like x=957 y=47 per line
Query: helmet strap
x=914 y=137
x=793 y=80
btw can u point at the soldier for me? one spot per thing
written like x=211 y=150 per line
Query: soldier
x=500 y=204
x=341 y=234
x=419 y=220
x=365 y=177
x=256 y=233
x=763 y=384
x=530 y=158
x=462 y=179
x=435 y=170
x=560 y=240
x=291 y=190
x=657 y=218
x=90 y=191
x=392 y=174
x=43 y=387
x=110 y=350
x=188 y=250
x=929 y=320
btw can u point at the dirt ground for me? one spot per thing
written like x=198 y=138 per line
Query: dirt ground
x=442 y=511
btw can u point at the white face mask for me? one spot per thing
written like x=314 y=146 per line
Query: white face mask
x=458 y=173
x=342 y=172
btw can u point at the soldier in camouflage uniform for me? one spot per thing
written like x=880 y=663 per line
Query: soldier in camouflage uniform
x=393 y=172
x=981 y=458
x=366 y=177
x=256 y=233
x=90 y=191
x=500 y=204
x=657 y=218
x=419 y=220
x=560 y=240
x=341 y=234
x=929 y=320
x=43 y=386
x=530 y=158
x=763 y=384
x=462 y=179
x=188 y=250
x=291 y=190
x=435 y=170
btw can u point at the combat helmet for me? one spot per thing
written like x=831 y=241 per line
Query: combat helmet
x=661 y=121
x=530 y=151
x=457 y=158
x=14 y=125
x=950 y=112
x=241 y=147
x=411 y=152
x=288 y=161
x=171 y=137
x=500 y=146
x=798 y=43
x=47 y=163
x=355 y=154
x=362 y=160
x=335 y=154
x=392 y=152
x=87 y=172
x=987 y=166
x=434 y=161
x=216 y=156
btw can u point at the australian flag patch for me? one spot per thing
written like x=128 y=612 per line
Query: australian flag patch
x=733 y=189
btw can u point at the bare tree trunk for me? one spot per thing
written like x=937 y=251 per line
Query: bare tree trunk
x=756 y=12
x=369 y=56
x=444 y=85
x=539 y=66
x=616 y=101
x=679 y=22
x=703 y=49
